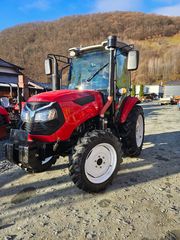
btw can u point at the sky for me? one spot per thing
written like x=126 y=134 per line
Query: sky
x=15 y=12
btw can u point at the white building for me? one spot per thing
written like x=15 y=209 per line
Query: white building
x=150 y=89
x=172 y=89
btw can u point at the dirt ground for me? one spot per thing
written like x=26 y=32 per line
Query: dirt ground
x=142 y=203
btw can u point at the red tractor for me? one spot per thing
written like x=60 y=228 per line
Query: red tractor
x=93 y=122
x=9 y=115
x=4 y=120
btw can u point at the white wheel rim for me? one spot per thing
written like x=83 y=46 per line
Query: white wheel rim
x=100 y=163
x=46 y=160
x=139 y=130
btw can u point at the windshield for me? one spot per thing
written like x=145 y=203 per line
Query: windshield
x=90 y=71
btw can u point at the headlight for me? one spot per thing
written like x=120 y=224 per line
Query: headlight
x=46 y=115
x=25 y=115
x=42 y=118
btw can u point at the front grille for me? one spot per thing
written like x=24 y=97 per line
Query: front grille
x=34 y=105
x=44 y=128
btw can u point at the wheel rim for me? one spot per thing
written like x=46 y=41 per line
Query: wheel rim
x=100 y=163
x=46 y=160
x=139 y=130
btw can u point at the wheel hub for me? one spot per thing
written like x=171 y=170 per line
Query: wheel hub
x=100 y=163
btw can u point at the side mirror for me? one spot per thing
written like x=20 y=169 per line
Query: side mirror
x=48 y=66
x=5 y=102
x=133 y=60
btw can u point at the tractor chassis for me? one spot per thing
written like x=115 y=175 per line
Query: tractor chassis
x=27 y=155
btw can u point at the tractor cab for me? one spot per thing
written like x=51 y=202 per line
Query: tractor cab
x=89 y=70
x=102 y=67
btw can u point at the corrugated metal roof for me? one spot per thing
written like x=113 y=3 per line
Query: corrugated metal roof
x=13 y=79
x=8 y=79
x=41 y=84
x=172 y=83
x=4 y=63
x=45 y=85
x=7 y=85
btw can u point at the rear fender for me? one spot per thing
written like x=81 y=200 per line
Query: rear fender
x=128 y=105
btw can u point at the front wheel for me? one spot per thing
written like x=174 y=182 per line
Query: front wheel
x=132 y=132
x=95 y=161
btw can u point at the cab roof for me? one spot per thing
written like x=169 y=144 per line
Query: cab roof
x=125 y=48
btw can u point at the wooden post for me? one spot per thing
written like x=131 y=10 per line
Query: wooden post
x=23 y=85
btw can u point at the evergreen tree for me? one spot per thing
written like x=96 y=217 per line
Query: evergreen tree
x=133 y=92
x=141 y=91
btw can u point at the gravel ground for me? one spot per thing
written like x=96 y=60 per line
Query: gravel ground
x=4 y=165
x=2 y=142
x=142 y=203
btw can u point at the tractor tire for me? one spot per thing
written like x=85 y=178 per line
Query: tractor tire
x=95 y=160
x=44 y=166
x=132 y=132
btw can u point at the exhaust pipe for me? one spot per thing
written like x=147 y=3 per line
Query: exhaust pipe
x=54 y=76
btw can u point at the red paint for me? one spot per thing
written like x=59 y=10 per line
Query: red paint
x=3 y=129
x=4 y=112
x=106 y=106
x=16 y=106
x=74 y=114
x=129 y=104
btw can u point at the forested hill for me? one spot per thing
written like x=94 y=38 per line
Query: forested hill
x=157 y=38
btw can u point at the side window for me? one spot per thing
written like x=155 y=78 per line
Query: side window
x=122 y=74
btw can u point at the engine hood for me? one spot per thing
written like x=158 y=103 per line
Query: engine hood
x=76 y=106
x=62 y=95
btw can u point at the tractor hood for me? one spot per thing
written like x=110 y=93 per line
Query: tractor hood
x=62 y=95
x=73 y=107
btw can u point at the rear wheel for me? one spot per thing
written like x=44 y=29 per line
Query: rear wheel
x=95 y=161
x=132 y=132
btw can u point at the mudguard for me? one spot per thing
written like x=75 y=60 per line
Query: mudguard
x=128 y=104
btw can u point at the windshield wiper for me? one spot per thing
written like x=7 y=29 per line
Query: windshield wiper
x=90 y=78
